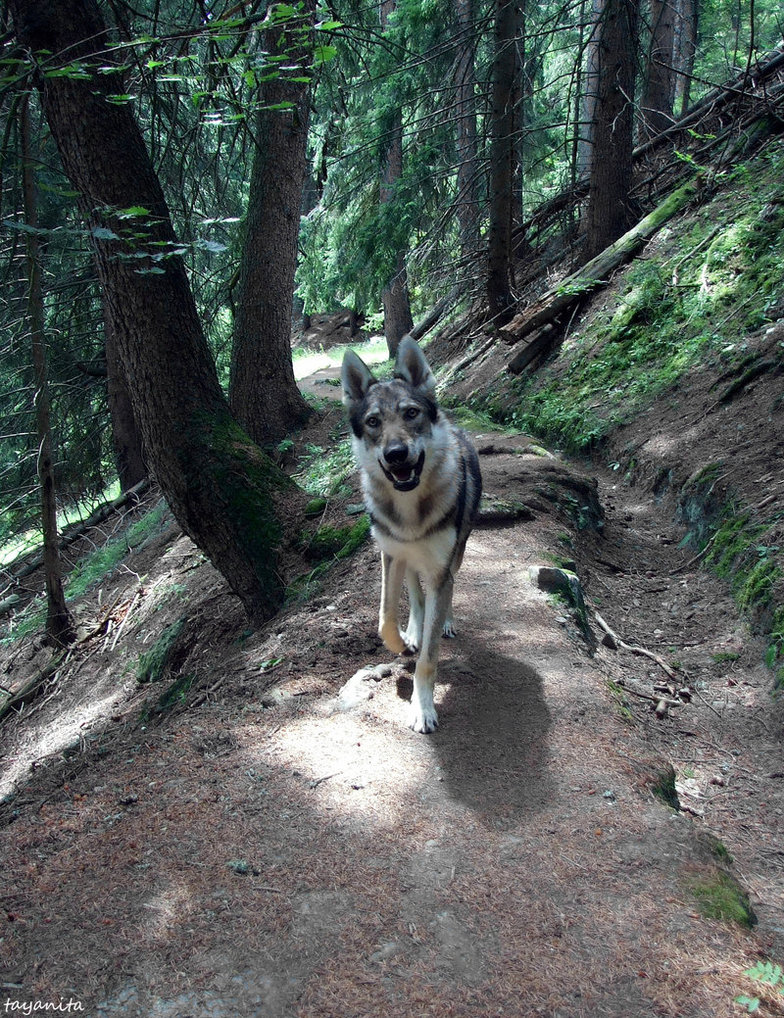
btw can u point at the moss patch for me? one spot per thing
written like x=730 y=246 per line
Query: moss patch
x=720 y=896
x=334 y=542
x=154 y=662
x=663 y=787
x=329 y=545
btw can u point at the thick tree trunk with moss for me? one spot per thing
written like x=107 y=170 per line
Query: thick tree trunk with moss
x=218 y=484
x=263 y=392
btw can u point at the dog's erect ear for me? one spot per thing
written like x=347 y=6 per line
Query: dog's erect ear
x=356 y=378
x=413 y=368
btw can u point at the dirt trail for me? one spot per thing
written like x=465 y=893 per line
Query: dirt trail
x=275 y=854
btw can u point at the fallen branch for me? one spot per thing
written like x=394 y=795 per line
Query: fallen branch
x=594 y=274
x=435 y=314
x=634 y=649
x=539 y=344
x=31 y=686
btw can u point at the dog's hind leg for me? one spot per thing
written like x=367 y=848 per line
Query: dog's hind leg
x=392 y=572
x=424 y=717
x=449 y=621
x=416 y=617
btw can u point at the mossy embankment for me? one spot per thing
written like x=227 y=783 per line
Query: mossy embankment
x=671 y=378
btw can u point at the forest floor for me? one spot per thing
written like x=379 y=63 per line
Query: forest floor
x=270 y=848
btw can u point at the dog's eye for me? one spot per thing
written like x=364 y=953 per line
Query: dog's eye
x=410 y=413
x=372 y=421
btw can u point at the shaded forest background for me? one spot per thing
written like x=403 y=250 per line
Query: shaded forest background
x=183 y=184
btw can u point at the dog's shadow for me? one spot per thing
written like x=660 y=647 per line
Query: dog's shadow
x=492 y=743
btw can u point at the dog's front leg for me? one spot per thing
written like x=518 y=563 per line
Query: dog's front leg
x=416 y=618
x=392 y=573
x=438 y=597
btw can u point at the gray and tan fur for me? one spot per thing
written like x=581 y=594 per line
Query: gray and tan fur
x=421 y=482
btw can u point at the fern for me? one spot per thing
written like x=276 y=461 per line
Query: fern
x=767 y=973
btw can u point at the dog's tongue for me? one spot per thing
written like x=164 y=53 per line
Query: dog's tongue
x=402 y=473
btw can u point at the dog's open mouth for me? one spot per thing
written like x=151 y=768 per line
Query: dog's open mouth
x=404 y=476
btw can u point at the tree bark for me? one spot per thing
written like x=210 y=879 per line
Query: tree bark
x=218 y=484
x=263 y=393
x=59 y=624
x=588 y=89
x=465 y=127
x=398 y=320
x=502 y=137
x=684 y=51
x=658 y=96
x=128 y=452
x=608 y=214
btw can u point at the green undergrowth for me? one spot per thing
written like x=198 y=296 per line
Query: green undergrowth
x=327 y=545
x=325 y=472
x=707 y=279
x=91 y=570
x=744 y=548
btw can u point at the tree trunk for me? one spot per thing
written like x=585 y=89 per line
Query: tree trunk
x=528 y=63
x=59 y=624
x=263 y=393
x=608 y=214
x=685 y=51
x=659 y=88
x=397 y=306
x=128 y=452
x=588 y=89
x=465 y=126
x=502 y=124
x=216 y=481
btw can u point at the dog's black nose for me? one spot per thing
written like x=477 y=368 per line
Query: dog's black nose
x=396 y=453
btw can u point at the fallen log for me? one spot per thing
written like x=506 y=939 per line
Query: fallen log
x=29 y=688
x=538 y=345
x=435 y=314
x=594 y=274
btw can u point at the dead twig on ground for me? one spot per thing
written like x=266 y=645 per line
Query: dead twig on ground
x=632 y=648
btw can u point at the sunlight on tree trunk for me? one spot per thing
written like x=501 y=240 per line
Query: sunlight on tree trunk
x=263 y=392
x=588 y=88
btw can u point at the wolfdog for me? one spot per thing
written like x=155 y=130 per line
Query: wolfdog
x=421 y=482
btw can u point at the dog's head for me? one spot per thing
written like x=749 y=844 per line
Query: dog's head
x=392 y=421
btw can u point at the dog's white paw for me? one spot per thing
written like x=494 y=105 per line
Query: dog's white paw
x=449 y=628
x=423 y=719
x=413 y=640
